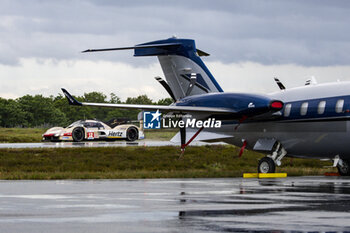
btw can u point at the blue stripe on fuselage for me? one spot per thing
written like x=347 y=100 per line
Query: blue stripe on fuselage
x=313 y=107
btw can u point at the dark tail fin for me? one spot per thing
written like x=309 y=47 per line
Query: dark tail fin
x=184 y=70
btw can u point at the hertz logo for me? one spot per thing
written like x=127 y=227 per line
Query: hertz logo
x=115 y=134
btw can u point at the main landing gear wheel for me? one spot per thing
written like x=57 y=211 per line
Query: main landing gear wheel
x=132 y=134
x=344 y=168
x=266 y=165
x=78 y=134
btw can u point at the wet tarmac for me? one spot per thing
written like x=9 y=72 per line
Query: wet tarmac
x=96 y=144
x=316 y=204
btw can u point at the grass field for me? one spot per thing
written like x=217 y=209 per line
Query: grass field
x=13 y=135
x=160 y=134
x=140 y=162
x=133 y=162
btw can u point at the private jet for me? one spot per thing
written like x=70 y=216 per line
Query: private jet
x=310 y=121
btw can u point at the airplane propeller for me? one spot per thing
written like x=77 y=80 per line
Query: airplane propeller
x=166 y=86
x=279 y=83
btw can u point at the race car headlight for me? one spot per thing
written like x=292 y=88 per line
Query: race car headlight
x=56 y=135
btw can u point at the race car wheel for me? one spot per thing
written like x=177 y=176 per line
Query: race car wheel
x=266 y=165
x=344 y=170
x=78 y=134
x=132 y=134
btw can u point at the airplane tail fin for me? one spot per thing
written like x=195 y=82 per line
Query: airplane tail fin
x=184 y=70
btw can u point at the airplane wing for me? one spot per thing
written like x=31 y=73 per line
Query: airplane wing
x=162 y=108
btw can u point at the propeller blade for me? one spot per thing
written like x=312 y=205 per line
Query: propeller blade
x=166 y=86
x=280 y=84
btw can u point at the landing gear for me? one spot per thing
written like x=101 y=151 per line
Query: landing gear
x=268 y=163
x=344 y=167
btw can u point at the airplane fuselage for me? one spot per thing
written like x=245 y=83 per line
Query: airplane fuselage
x=313 y=123
x=310 y=121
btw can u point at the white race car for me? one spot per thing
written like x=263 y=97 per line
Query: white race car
x=93 y=130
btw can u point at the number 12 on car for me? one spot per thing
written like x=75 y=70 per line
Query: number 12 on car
x=90 y=135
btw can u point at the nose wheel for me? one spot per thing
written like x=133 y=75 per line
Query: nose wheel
x=266 y=165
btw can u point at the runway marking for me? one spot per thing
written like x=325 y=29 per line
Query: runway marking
x=264 y=175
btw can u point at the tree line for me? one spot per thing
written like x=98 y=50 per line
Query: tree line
x=40 y=111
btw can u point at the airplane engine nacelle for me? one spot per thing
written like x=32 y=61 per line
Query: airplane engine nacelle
x=244 y=104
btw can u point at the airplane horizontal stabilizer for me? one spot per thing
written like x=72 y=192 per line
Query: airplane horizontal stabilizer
x=134 y=47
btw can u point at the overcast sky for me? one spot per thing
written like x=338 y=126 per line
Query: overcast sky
x=249 y=41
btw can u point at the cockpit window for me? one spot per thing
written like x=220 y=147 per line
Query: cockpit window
x=74 y=124
x=91 y=124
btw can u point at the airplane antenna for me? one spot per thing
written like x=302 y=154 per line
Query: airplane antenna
x=311 y=81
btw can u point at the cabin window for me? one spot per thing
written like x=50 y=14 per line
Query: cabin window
x=321 y=107
x=339 y=106
x=287 y=109
x=303 y=108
